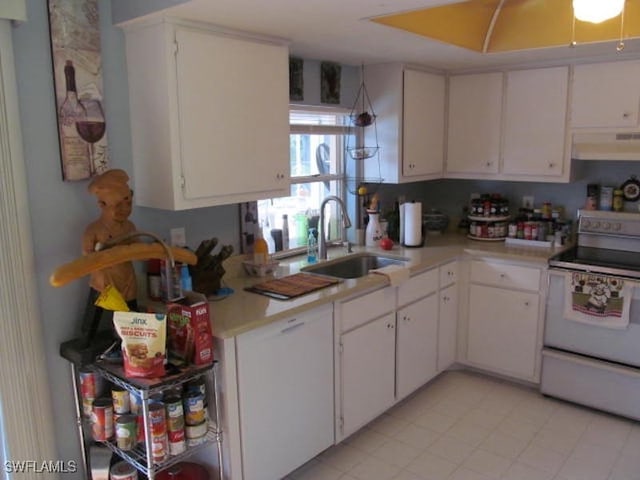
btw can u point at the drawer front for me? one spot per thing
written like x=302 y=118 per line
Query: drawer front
x=448 y=274
x=505 y=275
x=359 y=311
x=418 y=286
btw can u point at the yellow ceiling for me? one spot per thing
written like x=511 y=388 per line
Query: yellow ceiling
x=519 y=24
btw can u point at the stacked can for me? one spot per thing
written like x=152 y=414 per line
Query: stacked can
x=91 y=386
x=175 y=424
x=195 y=418
x=102 y=419
x=123 y=471
x=159 y=441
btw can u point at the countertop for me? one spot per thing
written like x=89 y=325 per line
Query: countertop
x=243 y=311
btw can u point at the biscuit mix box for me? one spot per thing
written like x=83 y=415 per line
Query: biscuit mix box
x=190 y=339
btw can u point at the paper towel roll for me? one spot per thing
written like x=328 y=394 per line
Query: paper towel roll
x=413 y=224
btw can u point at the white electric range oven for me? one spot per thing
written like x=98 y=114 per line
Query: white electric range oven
x=591 y=353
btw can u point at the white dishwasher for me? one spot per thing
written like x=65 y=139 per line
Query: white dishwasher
x=285 y=390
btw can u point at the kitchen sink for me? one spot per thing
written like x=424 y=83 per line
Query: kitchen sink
x=353 y=266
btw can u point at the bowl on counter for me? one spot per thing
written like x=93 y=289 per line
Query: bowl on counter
x=435 y=221
x=259 y=270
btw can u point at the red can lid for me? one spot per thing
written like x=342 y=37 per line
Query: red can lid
x=184 y=471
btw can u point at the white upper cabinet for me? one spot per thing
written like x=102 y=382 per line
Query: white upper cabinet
x=410 y=110
x=475 y=115
x=209 y=116
x=535 y=139
x=606 y=95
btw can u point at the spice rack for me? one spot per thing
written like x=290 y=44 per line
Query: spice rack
x=488 y=229
x=140 y=456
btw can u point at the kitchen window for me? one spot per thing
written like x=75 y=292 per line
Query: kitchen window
x=316 y=147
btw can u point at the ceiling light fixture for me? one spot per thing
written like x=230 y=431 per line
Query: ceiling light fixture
x=597 y=11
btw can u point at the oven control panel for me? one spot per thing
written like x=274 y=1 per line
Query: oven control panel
x=609 y=223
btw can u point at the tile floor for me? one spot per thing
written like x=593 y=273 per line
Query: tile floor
x=466 y=426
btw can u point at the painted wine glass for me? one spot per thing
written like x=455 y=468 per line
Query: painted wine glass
x=91 y=127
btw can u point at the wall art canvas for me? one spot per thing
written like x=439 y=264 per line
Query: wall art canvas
x=77 y=67
x=296 y=80
x=330 y=82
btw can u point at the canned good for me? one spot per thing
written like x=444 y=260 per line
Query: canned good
x=194 y=442
x=140 y=424
x=196 y=385
x=135 y=403
x=196 y=431
x=157 y=418
x=606 y=198
x=194 y=408
x=120 y=398
x=175 y=414
x=126 y=431
x=91 y=385
x=176 y=447
x=159 y=447
x=102 y=420
x=123 y=471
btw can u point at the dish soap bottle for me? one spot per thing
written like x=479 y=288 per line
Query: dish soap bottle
x=260 y=249
x=312 y=246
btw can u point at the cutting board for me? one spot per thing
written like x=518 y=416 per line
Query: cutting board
x=292 y=286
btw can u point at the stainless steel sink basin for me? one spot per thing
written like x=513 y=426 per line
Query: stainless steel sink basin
x=353 y=266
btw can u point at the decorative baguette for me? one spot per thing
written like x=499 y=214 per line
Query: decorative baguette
x=112 y=256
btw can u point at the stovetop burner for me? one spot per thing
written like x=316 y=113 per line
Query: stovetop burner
x=608 y=243
x=599 y=260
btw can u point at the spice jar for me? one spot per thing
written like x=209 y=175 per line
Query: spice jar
x=618 y=200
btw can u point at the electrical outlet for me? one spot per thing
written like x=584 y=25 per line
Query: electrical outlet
x=527 y=201
x=178 y=237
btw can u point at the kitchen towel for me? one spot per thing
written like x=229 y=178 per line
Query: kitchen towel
x=413 y=224
x=395 y=273
x=598 y=300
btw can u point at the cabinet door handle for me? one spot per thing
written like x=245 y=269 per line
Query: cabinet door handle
x=552 y=165
x=445 y=299
x=390 y=325
x=625 y=115
x=526 y=303
x=291 y=328
x=502 y=276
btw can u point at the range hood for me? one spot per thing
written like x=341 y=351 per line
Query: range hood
x=606 y=146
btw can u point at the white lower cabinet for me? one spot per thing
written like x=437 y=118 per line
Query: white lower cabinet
x=504 y=321
x=447 y=327
x=367 y=372
x=417 y=345
x=285 y=393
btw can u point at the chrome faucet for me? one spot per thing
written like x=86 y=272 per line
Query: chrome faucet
x=346 y=223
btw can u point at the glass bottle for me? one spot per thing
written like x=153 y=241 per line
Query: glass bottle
x=75 y=154
x=285 y=232
x=312 y=246
x=260 y=249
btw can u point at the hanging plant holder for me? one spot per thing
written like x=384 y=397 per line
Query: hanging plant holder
x=362 y=116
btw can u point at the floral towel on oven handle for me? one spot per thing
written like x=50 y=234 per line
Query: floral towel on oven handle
x=598 y=300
